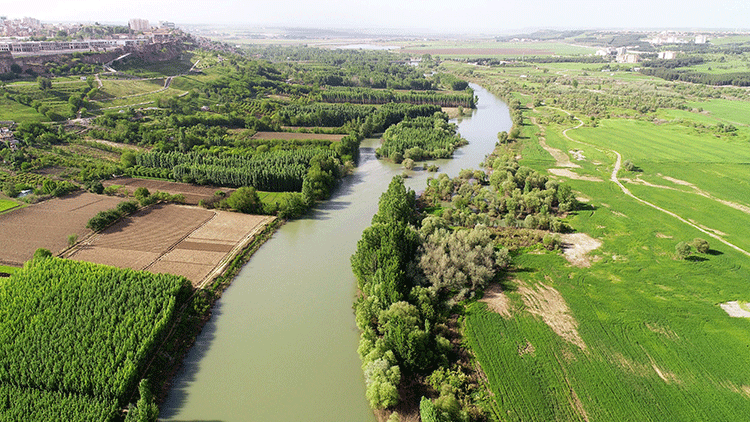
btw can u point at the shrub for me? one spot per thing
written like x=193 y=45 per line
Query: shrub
x=683 y=250
x=552 y=241
x=700 y=245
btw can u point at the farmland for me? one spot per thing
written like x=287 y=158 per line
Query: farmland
x=75 y=337
x=186 y=241
x=48 y=225
x=192 y=193
x=639 y=335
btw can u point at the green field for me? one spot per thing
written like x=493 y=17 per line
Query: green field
x=488 y=48
x=6 y=204
x=638 y=310
x=654 y=343
x=735 y=112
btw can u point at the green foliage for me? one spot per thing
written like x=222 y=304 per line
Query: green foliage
x=397 y=204
x=18 y=404
x=145 y=410
x=427 y=410
x=104 y=219
x=82 y=329
x=42 y=253
x=552 y=241
x=72 y=239
x=245 y=200
x=421 y=138
x=127 y=159
x=683 y=250
x=700 y=245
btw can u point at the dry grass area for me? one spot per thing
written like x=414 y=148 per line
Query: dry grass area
x=576 y=247
x=48 y=225
x=548 y=303
x=497 y=301
x=286 y=136
x=187 y=241
x=193 y=194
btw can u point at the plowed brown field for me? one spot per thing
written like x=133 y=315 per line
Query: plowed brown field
x=48 y=225
x=193 y=194
x=188 y=241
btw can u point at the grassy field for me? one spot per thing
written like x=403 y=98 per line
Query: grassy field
x=639 y=335
x=735 y=112
x=6 y=204
x=8 y=270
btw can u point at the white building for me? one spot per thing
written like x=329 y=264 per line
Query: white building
x=701 y=39
x=667 y=55
x=139 y=25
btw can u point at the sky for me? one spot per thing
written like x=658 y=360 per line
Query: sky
x=467 y=16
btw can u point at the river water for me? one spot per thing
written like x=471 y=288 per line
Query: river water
x=282 y=342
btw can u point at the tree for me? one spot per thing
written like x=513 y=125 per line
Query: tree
x=42 y=253
x=15 y=68
x=44 y=83
x=683 y=250
x=128 y=159
x=72 y=239
x=396 y=204
x=245 y=200
x=628 y=165
x=700 y=245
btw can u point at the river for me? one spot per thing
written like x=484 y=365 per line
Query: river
x=282 y=342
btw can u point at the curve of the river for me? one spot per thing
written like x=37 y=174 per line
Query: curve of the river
x=281 y=345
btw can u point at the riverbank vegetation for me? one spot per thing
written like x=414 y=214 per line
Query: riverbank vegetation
x=414 y=269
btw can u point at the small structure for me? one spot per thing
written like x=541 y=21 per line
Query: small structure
x=667 y=55
x=628 y=58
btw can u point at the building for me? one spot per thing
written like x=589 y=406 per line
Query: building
x=166 y=25
x=139 y=25
x=628 y=58
x=701 y=39
x=667 y=55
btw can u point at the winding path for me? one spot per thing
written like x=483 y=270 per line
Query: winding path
x=626 y=191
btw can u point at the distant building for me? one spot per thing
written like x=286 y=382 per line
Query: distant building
x=139 y=25
x=667 y=55
x=32 y=23
x=628 y=58
x=701 y=39
x=166 y=25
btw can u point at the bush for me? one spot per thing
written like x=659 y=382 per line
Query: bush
x=42 y=253
x=552 y=241
x=700 y=245
x=683 y=250
x=127 y=207
x=245 y=200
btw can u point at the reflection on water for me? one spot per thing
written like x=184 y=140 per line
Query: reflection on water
x=282 y=343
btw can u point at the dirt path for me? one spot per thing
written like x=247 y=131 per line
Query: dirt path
x=626 y=191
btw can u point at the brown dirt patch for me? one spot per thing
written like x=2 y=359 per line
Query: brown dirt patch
x=576 y=247
x=48 y=225
x=548 y=303
x=193 y=194
x=497 y=301
x=526 y=349
x=287 y=136
x=188 y=241
x=575 y=176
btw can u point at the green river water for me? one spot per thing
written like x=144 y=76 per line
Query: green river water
x=282 y=343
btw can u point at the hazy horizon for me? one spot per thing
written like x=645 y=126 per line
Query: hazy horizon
x=475 y=16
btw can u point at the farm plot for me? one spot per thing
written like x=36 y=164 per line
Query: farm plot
x=48 y=225
x=187 y=241
x=193 y=194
